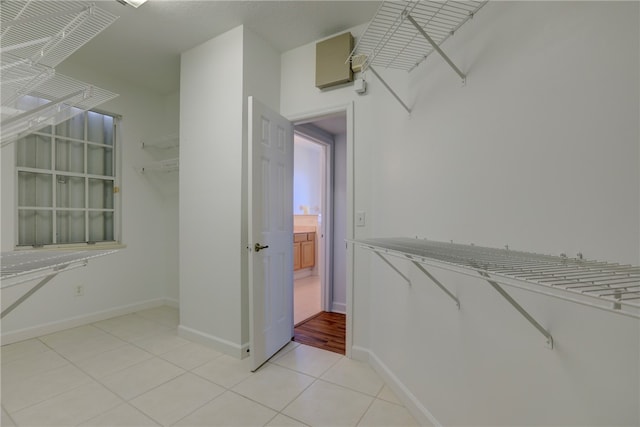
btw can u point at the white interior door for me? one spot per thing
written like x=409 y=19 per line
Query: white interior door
x=270 y=185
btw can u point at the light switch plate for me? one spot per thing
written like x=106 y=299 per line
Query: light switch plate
x=360 y=219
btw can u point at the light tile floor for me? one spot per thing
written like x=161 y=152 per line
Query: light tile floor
x=134 y=370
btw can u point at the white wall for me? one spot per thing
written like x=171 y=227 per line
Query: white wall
x=538 y=151
x=210 y=189
x=142 y=274
x=216 y=78
x=307 y=176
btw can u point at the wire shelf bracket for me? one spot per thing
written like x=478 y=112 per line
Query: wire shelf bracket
x=437 y=282
x=424 y=271
x=393 y=267
x=386 y=85
x=436 y=47
x=600 y=285
x=404 y=33
x=21 y=267
x=518 y=307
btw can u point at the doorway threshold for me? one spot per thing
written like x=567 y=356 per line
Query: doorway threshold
x=325 y=330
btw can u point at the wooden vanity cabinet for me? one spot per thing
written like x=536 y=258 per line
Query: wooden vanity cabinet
x=304 y=250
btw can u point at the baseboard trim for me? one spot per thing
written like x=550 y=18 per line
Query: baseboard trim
x=217 y=343
x=408 y=399
x=301 y=274
x=339 y=307
x=60 y=325
x=360 y=353
x=172 y=302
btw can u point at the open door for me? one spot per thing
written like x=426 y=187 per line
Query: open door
x=270 y=192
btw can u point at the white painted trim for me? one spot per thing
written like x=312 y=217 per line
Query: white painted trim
x=60 y=325
x=339 y=307
x=310 y=131
x=408 y=399
x=350 y=227
x=172 y=302
x=217 y=343
x=308 y=116
x=360 y=353
x=324 y=237
x=301 y=274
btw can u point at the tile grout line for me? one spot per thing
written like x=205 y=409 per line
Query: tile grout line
x=128 y=401
x=190 y=370
x=73 y=364
x=365 y=411
x=57 y=394
x=295 y=398
x=92 y=377
x=375 y=396
x=124 y=400
x=388 y=401
x=95 y=379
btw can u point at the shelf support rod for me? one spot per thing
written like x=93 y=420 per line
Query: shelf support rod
x=436 y=47
x=40 y=284
x=27 y=294
x=393 y=267
x=440 y=285
x=395 y=95
x=518 y=307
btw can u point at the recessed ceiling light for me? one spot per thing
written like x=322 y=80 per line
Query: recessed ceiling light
x=134 y=3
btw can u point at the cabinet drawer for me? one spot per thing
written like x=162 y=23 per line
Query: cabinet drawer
x=300 y=237
x=311 y=236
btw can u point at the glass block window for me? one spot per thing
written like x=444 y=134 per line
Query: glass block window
x=66 y=178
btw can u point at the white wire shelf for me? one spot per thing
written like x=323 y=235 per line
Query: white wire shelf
x=19 y=267
x=393 y=41
x=404 y=33
x=36 y=36
x=20 y=76
x=167 y=165
x=166 y=142
x=48 y=32
x=53 y=101
x=607 y=286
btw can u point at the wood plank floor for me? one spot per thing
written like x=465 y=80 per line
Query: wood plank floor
x=324 y=330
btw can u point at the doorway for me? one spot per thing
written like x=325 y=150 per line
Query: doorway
x=309 y=215
x=320 y=218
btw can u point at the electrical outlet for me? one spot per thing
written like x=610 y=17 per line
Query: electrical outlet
x=79 y=289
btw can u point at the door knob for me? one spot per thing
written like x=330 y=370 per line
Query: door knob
x=259 y=247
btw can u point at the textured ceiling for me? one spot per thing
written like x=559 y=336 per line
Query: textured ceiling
x=143 y=46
